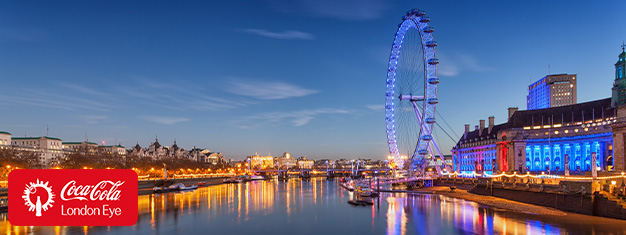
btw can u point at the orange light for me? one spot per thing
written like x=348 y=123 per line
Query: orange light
x=8 y=166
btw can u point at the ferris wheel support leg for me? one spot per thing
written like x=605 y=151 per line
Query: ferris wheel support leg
x=419 y=118
x=441 y=156
x=436 y=166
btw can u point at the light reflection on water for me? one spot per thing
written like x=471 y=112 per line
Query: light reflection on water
x=319 y=207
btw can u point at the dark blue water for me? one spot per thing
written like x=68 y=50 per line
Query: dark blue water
x=320 y=207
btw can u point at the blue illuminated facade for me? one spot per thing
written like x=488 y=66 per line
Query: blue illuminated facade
x=550 y=154
x=549 y=140
x=538 y=95
x=552 y=91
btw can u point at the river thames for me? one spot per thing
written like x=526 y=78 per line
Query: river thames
x=320 y=207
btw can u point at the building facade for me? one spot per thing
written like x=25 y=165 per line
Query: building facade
x=81 y=147
x=261 y=162
x=304 y=163
x=286 y=161
x=5 y=140
x=619 y=85
x=552 y=91
x=549 y=140
x=117 y=150
x=49 y=150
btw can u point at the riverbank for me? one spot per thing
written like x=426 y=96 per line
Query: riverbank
x=491 y=201
x=146 y=187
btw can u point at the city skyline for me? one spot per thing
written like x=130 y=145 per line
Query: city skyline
x=272 y=77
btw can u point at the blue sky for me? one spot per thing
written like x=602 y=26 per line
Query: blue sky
x=300 y=76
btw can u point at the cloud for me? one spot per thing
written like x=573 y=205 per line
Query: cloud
x=296 y=118
x=268 y=90
x=376 y=107
x=290 y=34
x=345 y=9
x=451 y=66
x=86 y=90
x=94 y=119
x=55 y=101
x=166 y=120
x=180 y=97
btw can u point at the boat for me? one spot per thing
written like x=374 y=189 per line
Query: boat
x=232 y=180
x=202 y=184
x=360 y=202
x=363 y=191
x=171 y=188
x=255 y=177
x=185 y=187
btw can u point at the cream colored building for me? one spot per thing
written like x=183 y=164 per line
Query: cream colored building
x=5 y=140
x=117 y=150
x=84 y=147
x=261 y=162
x=286 y=161
x=305 y=164
x=48 y=149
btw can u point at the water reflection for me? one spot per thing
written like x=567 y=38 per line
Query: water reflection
x=319 y=206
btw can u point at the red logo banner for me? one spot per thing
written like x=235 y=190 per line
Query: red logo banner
x=52 y=197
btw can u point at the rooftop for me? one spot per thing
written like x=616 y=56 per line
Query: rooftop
x=35 y=138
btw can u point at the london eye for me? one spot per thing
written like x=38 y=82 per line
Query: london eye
x=411 y=93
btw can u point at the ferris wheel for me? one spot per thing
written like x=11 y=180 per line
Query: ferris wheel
x=411 y=93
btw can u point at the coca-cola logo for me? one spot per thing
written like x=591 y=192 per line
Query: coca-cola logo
x=105 y=190
x=87 y=197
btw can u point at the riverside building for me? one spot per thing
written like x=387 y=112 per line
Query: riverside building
x=552 y=91
x=541 y=140
x=549 y=136
x=5 y=140
x=48 y=150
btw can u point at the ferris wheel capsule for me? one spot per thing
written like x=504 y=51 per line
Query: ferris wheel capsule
x=427 y=137
x=433 y=80
x=431 y=44
x=425 y=19
x=429 y=29
x=422 y=152
x=433 y=61
x=430 y=120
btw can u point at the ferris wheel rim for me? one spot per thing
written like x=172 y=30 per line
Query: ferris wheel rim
x=415 y=19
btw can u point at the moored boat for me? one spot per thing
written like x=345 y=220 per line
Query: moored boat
x=363 y=191
x=185 y=187
x=232 y=180
x=360 y=202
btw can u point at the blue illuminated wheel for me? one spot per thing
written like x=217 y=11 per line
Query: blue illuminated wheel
x=411 y=91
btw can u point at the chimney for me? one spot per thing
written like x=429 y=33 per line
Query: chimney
x=512 y=110
x=482 y=126
x=490 y=124
x=476 y=127
x=466 y=131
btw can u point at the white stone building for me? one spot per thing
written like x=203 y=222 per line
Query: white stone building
x=5 y=140
x=49 y=150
